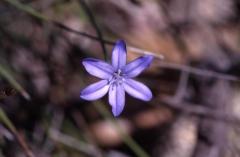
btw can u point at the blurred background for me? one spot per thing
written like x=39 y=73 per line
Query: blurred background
x=195 y=111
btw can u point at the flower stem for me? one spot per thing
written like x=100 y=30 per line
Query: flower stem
x=129 y=141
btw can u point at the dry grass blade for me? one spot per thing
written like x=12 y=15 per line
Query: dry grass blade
x=5 y=73
x=6 y=121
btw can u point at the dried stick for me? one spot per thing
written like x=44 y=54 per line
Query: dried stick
x=167 y=65
x=199 y=110
x=189 y=69
x=73 y=143
x=108 y=42
x=197 y=71
x=182 y=85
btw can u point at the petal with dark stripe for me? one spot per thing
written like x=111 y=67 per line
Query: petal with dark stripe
x=95 y=90
x=119 y=55
x=137 y=90
x=98 y=68
x=135 y=67
x=116 y=98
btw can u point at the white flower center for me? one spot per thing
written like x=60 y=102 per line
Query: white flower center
x=117 y=78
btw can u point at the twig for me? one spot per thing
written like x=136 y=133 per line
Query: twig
x=145 y=52
x=73 y=143
x=198 y=71
x=94 y=24
x=108 y=42
x=199 y=110
x=182 y=85
x=55 y=134
x=167 y=65
x=23 y=144
x=192 y=70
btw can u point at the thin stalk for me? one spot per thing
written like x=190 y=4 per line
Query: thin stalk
x=8 y=76
x=27 y=9
x=129 y=141
x=6 y=121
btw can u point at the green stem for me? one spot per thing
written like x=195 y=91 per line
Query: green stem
x=126 y=138
x=27 y=9
x=7 y=75
x=6 y=121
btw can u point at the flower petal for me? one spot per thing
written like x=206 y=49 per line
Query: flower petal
x=95 y=90
x=137 y=90
x=119 y=55
x=135 y=67
x=98 y=68
x=116 y=98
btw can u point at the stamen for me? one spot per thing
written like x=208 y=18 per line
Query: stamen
x=119 y=71
x=117 y=78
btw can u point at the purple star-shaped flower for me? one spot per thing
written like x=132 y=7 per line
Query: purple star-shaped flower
x=117 y=78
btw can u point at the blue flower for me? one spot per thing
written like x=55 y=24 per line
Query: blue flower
x=117 y=78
